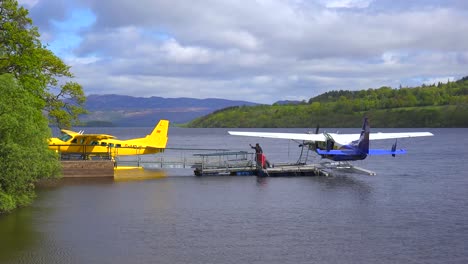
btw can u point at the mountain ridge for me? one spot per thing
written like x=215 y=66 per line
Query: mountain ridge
x=126 y=110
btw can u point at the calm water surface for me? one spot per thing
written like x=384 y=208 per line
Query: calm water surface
x=414 y=211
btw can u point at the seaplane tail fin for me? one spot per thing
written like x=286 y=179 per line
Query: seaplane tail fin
x=158 y=138
x=363 y=143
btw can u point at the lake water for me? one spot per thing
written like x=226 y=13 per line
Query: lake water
x=414 y=211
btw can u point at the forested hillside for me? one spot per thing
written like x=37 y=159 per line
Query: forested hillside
x=438 y=105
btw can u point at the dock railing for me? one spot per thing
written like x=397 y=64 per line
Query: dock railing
x=224 y=159
x=187 y=158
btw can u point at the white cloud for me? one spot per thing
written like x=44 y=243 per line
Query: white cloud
x=190 y=55
x=347 y=3
x=390 y=58
x=263 y=51
x=262 y=79
x=81 y=60
x=241 y=39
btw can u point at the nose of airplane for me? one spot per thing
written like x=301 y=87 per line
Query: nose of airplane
x=52 y=141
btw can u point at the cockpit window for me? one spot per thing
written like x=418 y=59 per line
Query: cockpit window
x=65 y=137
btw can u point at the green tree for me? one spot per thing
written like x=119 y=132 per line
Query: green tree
x=32 y=81
x=37 y=69
x=24 y=156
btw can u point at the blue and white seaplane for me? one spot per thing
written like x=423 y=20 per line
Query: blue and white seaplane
x=341 y=147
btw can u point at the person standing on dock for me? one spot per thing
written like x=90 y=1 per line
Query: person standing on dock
x=259 y=157
x=258 y=149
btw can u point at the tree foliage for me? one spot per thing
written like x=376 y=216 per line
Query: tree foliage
x=33 y=81
x=24 y=156
x=37 y=69
x=441 y=105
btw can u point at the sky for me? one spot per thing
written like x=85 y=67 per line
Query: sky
x=260 y=51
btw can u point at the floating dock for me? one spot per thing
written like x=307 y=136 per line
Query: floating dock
x=286 y=170
x=230 y=163
x=244 y=164
x=292 y=170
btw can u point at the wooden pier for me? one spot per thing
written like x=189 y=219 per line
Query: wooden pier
x=87 y=168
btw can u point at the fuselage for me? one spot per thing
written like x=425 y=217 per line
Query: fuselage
x=68 y=143
x=351 y=152
x=103 y=144
x=357 y=149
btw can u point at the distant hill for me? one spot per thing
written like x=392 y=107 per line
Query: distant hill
x=436 y=105
x=123 y=110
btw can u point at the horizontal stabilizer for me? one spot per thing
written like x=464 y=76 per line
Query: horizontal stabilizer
x=386 y=152
x=338 y=152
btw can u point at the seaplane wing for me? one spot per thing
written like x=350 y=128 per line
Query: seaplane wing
x=294 y=136
x=341 y=138
x=374 y=136
x=80 y=135
x=348 y=138
x=94 y=136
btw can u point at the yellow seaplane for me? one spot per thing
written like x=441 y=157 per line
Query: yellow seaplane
x=71 y=142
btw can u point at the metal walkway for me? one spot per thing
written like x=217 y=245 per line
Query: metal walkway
x=188 y=159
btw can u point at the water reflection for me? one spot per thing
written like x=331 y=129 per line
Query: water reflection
x=345 y=187
x=262 y=181
x=336 y=182
x=54 y=183
x=16 y=233
x=137 y=174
